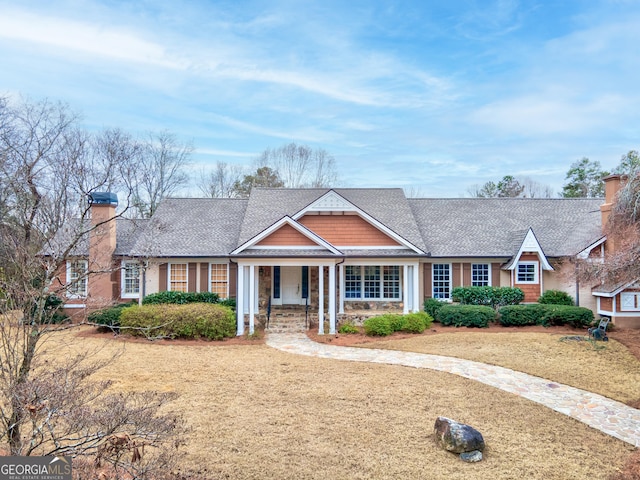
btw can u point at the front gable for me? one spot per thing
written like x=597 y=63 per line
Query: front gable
x=348 y=231
x=286 y=234
x=344 y=225
x=529 y=246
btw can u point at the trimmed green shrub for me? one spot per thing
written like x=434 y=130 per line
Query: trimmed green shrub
x=490 y=296
x=109 y=318
x=416 y=322
x=556 y=297
x=197 y=320
x=348 y=328
x=521 y=315
x=396 y=321
x=466 y=315
x=577 y=317
x=546 y=315
x=432 y=306
x=378 y=326
x=180 y=298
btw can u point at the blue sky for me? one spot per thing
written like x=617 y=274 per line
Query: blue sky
x=433 y=96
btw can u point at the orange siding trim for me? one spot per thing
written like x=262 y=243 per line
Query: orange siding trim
x=347 y=230
x=284 y=236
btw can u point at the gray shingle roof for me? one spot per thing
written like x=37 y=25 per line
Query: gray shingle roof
x=495 y=227
x=192 y=227
x=450 y=227
x=127 y=233
x=388 y=206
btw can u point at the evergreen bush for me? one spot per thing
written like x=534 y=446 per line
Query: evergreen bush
x=378 y=326
x=197 y=320
x=546 y=315
x=494 y=297
x=466 y=315
x=180 y=298
x=108 y=318
x=416 y=322
x=556 y=297
x=432 y=306
x=348 y=328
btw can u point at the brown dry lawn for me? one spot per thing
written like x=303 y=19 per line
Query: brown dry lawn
x=607 y=368
x=257 y=413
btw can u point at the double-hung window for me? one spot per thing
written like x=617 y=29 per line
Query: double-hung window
x=480 y=275
x=527 y=272
x=372 y=282
x=130 y=279
x=442 y=281
x=178 y=277
x=219 y=279
x=77 y=278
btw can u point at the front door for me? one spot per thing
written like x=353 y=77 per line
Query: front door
x=291 y=284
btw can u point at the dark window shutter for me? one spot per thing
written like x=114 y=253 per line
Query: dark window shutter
x=305 y=282
x=495 y=275
x=466 y=274
x=428 y=293
x=193 y=274
x=204 y=277
x=162 y=284
x=276 y=282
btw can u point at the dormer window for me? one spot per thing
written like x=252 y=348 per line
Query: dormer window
x=527 y=272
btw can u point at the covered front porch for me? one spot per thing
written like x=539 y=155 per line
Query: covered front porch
x=324 y=290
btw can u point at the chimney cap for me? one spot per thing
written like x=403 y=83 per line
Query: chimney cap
x=103 y=198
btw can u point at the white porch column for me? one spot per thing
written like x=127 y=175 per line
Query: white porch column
x=332 y=299
x=320 y=300
x=405 y=289
x=341 y=275
x=252 y=298
x=416 y=288
x=240 y=300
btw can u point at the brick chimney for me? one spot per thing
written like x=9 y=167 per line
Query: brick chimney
x=102 y=244
x=612 y=185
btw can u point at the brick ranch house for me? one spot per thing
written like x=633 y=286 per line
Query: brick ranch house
x=343 y=252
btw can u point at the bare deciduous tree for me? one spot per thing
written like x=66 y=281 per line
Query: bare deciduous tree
x=221 y=182
x=162 y=162
x=48 y=166
x=300 y=165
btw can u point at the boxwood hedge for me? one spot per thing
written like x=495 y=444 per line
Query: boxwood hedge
x=195 y=320
x=466 y=315
x=384 y=325
x=546 y=315
x=490 y=296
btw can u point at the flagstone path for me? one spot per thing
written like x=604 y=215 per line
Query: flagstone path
x=609 y=416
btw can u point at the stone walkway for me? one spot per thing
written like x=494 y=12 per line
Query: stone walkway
x=611 y=417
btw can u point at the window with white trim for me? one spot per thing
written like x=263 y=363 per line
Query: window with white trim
x=441 y=276
x=372 y=282
x=130 y=281
x=391 y=281
x=352 y=281
x=219 y=279
x=630 y=301
x=77 y=278
x=527 y=272
x=480 y=275
x=178 y=277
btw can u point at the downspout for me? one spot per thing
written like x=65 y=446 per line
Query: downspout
x=577 y=271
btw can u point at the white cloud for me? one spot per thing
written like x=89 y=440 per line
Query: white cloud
x=60 y=33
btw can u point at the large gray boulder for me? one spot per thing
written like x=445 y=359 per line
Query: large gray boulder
x=457 y=437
